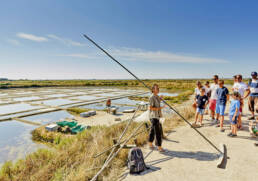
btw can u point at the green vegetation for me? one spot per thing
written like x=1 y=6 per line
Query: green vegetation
x=77 y=110
x=71 y=158
x=168 y=84
x=182 y=96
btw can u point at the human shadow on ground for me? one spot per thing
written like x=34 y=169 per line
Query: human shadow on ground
x=149 y=169
x=247 y=138
x=199 y=155
x=170 y=132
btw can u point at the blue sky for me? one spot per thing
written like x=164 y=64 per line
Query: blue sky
x=154 y=39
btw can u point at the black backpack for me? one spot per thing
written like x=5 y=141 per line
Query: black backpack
x=136 y=162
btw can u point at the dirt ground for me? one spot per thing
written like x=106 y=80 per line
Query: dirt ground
x=104 y=118
x=191 y=158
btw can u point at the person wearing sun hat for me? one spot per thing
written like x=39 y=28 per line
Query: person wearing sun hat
x=253 y=92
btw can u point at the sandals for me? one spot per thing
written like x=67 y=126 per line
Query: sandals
x=152 y=147
x=163 y=151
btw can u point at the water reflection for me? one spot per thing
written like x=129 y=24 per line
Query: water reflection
x=16 y=140
x=49 y=117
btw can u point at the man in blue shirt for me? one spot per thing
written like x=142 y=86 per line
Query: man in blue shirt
x=253 y=92
x=223 y=97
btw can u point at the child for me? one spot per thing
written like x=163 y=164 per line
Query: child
x=201 y=102
x=197 y=91
x=234 y=113
x=223 y=97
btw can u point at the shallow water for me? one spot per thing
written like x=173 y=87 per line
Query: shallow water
x=57 y=102
x=49 y=117
x=15 y=137
x=16 y=108
x=16 y=140
x=109 y=94
x=97 y=106
x=125 y=101
x=57 y=95
x=87 y=97
x=26 y=98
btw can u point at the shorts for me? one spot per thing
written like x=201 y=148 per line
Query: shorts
x=255 y=130
x=200 y=111
x=212 y=103
x=220 y=109
x=233 y=121
x=253 y=103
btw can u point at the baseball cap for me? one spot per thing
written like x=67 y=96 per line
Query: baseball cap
x=254 y=74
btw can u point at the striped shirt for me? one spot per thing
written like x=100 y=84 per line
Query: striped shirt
x=253 y=85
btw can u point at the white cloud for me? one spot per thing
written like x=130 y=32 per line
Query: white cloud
x=31 y=37
x=160 y=56
x=133 y=54
x=66 y=41
x=13 y=42
x=78 y=55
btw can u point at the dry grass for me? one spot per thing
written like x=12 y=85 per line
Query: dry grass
x=175 y=120
x=77 y=110
x=182 y=97
x=71 y=158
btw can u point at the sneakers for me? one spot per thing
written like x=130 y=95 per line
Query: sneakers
x=251 y=118
x=222 y=130
x=232 y=135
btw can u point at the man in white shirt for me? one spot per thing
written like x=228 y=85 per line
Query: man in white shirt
x=240 y=87
x=214 y=96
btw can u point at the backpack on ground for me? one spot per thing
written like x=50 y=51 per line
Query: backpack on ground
x=136 y=162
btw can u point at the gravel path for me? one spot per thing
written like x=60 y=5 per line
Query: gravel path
x=190 y=158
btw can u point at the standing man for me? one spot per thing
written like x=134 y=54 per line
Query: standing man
x=253 y=92
x=240 y=87
x=214 y=96
x=155 y=115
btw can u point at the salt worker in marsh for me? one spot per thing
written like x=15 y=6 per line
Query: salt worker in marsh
x=108 y=105
x=155 y=114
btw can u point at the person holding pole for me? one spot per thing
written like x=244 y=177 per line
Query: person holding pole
x=155 y=115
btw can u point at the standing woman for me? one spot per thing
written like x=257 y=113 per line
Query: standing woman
x=155 y=115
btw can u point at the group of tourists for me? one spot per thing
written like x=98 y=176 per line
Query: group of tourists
x=212 y=99
x=217 y=96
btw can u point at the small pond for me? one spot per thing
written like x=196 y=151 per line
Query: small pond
x=16 y=141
